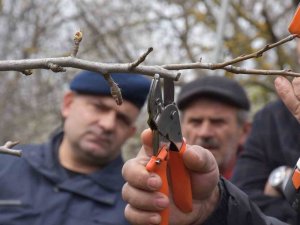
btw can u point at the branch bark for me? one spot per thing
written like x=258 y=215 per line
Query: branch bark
x=167 y=71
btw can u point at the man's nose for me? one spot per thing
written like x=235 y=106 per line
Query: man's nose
x=107 y=120
x=205 y=130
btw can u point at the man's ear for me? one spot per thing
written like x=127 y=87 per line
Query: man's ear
x=246 y=128
x=66 y=104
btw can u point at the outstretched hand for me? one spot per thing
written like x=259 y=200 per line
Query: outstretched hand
x=141 y=189
x=289 y=92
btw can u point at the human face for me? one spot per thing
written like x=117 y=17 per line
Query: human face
x=214 y=126
x=96 y=127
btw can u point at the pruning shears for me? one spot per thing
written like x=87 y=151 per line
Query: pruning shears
x=168 y=146
x=294 y=27
x=292 y=188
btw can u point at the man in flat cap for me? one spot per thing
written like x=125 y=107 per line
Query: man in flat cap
x=214 y=115
x=270 y=154
x=76 y=178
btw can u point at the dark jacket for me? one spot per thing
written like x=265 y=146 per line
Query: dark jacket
x=36 y=190
x=235 y=208
x=273 y=141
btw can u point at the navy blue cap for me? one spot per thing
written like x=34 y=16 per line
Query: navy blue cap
x=134 y=87
x=219 y=88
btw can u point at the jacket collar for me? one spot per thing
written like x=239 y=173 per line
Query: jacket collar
x=101 y=185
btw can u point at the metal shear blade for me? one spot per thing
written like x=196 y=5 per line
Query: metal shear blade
x=163 y=115
x=168 y=146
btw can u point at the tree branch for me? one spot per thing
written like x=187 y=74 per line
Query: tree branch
x=60 y=63
x=65 y=62
x=238 y=70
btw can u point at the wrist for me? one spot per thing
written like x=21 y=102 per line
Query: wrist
x=277 y=180
x=218 y=216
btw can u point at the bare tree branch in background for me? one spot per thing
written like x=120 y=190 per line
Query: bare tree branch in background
x=57 y=64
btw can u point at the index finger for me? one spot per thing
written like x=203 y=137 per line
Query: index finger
x=134 y=170
x=290 y=94
x=147 y=140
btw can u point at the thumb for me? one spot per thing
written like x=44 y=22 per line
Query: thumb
x=147 y=141
x=287 y=93
x=285 y=90
x=203 y=170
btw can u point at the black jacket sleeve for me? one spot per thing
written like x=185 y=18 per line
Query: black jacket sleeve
x=274 y=141
x=235 y=208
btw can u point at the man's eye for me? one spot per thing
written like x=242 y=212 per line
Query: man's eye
x=195 y=122
x=100 y=107
x=125 y=121
x=218 y=121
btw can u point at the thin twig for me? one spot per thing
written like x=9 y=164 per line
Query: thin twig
x=256 y=54
x=6 y=149
x=232 y=69
x=114 y=89
x=77 y=39
x=239 y=70
x=140 y=59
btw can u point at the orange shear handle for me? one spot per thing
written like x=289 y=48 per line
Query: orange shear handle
x=158 y=164
x=181 y=182
x=296 y=179
x=294 y=27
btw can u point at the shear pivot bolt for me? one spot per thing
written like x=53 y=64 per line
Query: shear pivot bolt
x=172 y=115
